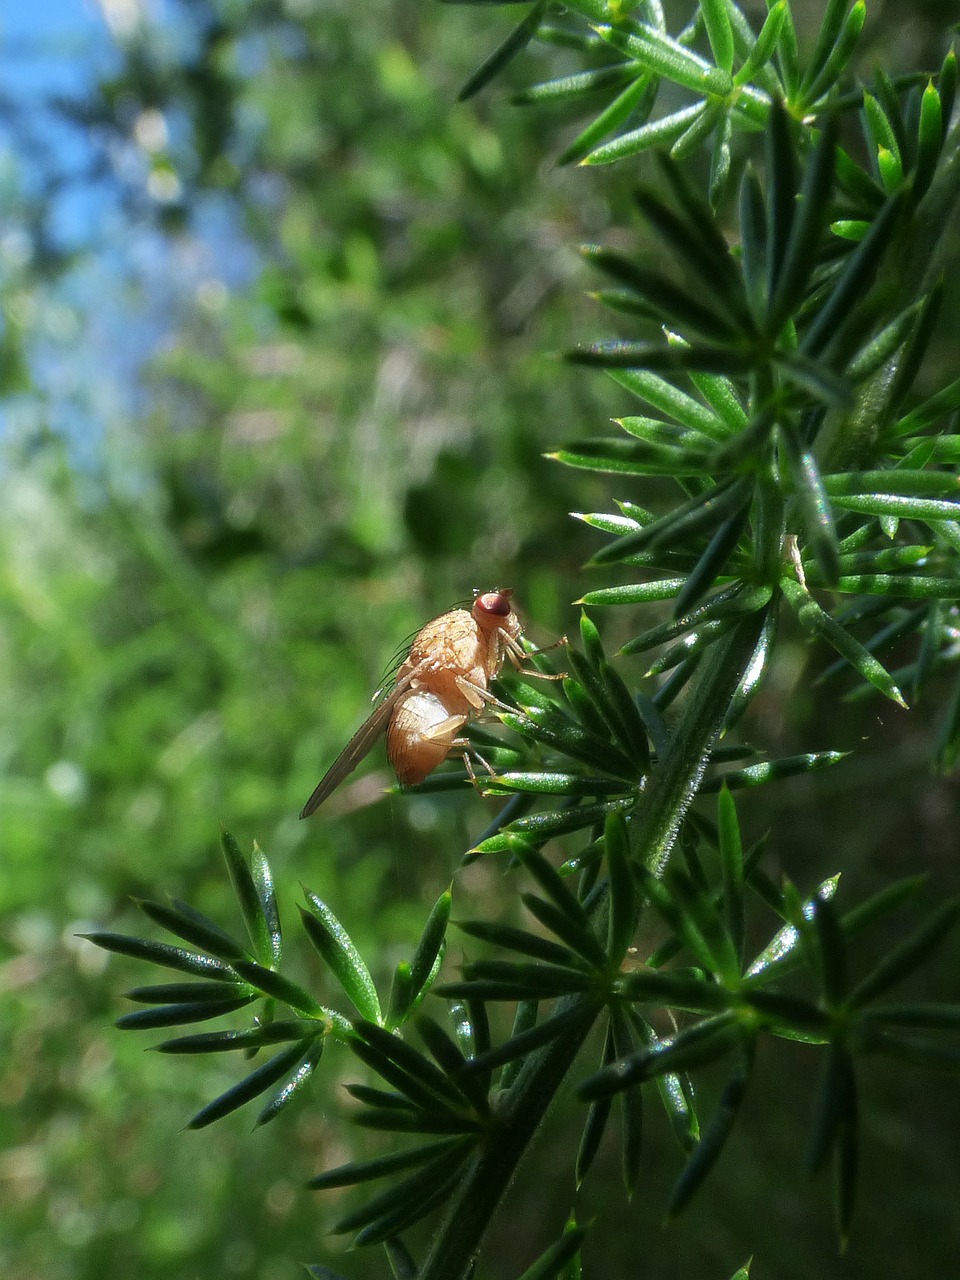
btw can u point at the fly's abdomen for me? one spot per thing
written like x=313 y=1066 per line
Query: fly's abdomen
x=420 y=735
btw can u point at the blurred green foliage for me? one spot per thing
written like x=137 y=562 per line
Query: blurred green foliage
x=194 y=620
x=191 y=623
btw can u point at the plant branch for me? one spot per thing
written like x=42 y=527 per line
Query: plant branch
x=673 y=786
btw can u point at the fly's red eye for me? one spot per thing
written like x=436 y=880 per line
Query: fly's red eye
x=495 y=602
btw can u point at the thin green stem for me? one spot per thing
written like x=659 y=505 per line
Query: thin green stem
x=673 y=784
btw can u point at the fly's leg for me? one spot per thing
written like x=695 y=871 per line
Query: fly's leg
x=440 y=732
x=518 y=655
x=479 y=697
x=444 y=731
x=487 y=699
x=468 y=751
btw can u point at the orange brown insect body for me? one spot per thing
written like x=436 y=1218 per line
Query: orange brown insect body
x=442 y=684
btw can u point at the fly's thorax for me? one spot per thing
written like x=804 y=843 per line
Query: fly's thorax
x=447 y=641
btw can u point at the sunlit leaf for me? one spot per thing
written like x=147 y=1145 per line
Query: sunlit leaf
x=336 y=947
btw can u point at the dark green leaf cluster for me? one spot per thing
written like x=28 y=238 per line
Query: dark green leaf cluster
x=729 y=76
x=230 y=975
x=801 y=458
x=716 y=998
x=800 y=343
x=700 y=998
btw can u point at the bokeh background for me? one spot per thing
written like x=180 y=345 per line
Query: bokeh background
x=276 y=383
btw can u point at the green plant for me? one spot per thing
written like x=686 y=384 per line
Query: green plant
x=810 y=479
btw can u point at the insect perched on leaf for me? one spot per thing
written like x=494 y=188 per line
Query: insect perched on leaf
x=443 y=682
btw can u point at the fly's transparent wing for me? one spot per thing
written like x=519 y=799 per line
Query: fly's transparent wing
x=358 y=746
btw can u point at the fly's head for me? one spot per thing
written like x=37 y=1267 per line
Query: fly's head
x=493 y=611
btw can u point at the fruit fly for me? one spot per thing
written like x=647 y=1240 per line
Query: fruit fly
x=443 y=682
